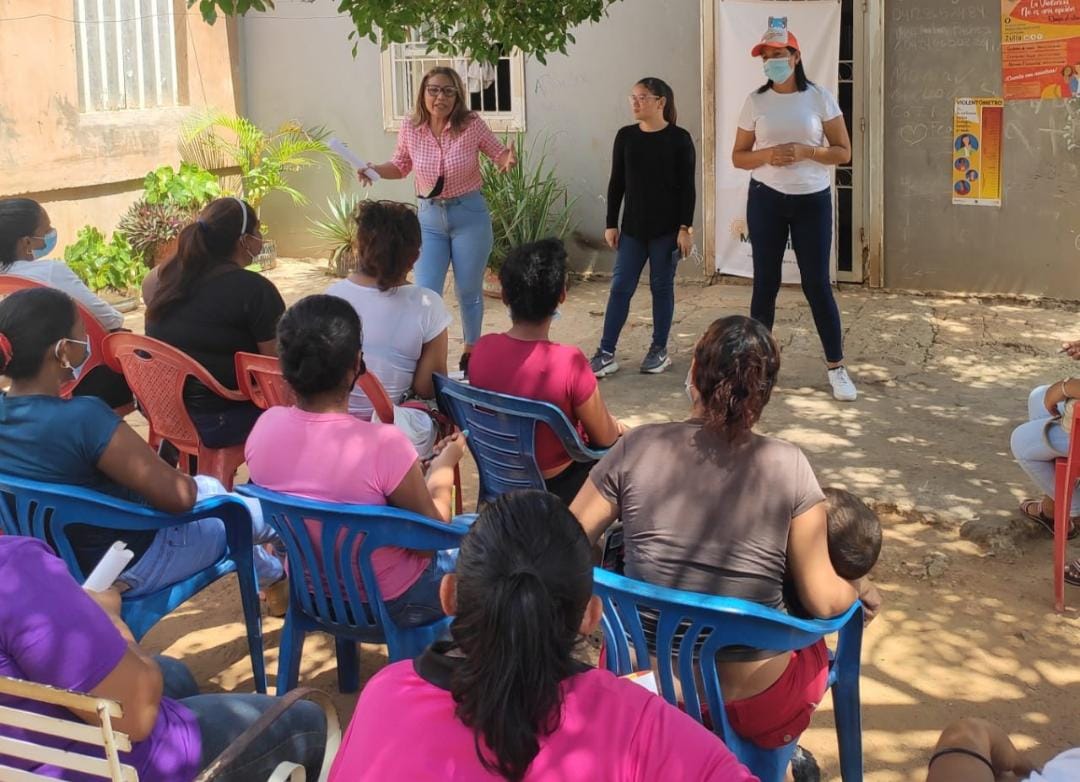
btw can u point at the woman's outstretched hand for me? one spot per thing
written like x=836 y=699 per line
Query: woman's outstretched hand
x=508 y=159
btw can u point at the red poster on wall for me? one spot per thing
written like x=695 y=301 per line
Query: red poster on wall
x=1040 y=49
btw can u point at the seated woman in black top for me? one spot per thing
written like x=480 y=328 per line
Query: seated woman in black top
x=209 y=306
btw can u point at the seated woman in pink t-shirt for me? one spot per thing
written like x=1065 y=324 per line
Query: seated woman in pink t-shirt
x=318 y=451
x=525 y=362
x=508 y=698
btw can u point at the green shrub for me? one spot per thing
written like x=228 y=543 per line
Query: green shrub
x=148 y=226
x=338 y=229
x=190 y=188
x=102 y=265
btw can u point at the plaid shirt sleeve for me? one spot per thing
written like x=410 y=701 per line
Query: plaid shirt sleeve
x=486 y=140
x=402 y=158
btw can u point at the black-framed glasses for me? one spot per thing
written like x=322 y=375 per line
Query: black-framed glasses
x=435 y=91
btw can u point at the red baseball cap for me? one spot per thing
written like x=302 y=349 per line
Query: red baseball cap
x=773 y=42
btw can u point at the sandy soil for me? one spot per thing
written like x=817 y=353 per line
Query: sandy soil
x=968 y=627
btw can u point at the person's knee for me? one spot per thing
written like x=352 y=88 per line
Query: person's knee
x=1036 y=397
x=1022 y=439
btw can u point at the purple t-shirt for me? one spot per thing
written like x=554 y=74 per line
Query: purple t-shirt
x=52 y=633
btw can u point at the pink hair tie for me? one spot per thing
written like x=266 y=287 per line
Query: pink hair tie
x=5 y=349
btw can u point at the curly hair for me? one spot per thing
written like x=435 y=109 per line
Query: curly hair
x=387 y=241
x=533 y=278
x=736 y=363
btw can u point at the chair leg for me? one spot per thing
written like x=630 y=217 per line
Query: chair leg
x=848 y=729
x=348 y=665
x=249 y=599
x=1062 y=497
x=459 y=500
x=290 y=652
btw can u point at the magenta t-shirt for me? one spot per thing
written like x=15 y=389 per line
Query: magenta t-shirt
x=334 y=457
x=612 y=730
x=52 y=633
x=542 y=370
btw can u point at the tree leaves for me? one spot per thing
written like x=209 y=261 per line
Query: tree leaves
x=479 y=29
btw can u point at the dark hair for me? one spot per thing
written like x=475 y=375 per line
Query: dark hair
x=661 y=89
x=18 y=218
x=461 y=114
x=736 y=363
x=387 y=241
x=533 y=277
x=31 y=321
x=854 y=534
x=801 y=82
x=318 y=339
x=204 y=245
x=524 y=579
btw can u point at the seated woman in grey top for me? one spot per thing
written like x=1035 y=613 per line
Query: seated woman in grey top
x=708 y=505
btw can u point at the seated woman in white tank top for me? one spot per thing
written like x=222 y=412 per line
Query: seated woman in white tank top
x=405 y=326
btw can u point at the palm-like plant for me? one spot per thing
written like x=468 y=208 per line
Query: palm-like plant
x=338 y=229
x=216 y=140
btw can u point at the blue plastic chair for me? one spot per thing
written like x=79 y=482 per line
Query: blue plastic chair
x=712 y=623
x=324 y=593
x=46 y=510
x=501 y=434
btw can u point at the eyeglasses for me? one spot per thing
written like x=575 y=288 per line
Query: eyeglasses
x=435 y=91
x=641 y=98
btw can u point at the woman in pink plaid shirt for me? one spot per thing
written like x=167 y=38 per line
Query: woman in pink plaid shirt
x=441 y=144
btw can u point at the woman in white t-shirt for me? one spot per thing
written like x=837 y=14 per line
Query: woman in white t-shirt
x=405 y=326
x=791 y=133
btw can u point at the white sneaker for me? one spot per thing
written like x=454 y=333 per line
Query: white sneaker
x=843 y=389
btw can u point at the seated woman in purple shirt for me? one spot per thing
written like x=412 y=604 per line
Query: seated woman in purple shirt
x=53 y=632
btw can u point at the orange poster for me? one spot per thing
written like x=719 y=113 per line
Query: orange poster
x=1040 y=49
x=978 y=129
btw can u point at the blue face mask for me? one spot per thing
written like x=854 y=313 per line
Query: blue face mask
x=50 y=245
x=779 y=70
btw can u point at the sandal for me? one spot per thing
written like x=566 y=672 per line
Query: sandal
x=1047 y=523
x=1072 y=573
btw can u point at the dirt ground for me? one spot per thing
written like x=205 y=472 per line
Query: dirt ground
x=968 y=626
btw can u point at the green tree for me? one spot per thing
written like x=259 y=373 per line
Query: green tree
x=479 y=29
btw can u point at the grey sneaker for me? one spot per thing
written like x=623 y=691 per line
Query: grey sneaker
x=656 y=361
x=603 y=363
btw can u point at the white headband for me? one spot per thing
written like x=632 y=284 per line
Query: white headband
x=243 y=208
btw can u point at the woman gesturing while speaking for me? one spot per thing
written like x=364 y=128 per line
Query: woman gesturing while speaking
x=791 y=133
x=442 y=142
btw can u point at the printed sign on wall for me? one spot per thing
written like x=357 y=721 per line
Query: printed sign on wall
x=1040 y=49
x=977 y=135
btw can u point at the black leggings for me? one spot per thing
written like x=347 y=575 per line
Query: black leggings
x=566 y=484
x=772 y=216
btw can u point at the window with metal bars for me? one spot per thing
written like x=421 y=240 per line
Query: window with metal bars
x=126 y=52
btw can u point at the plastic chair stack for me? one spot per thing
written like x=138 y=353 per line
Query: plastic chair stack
x=47 y=511
x=502 y=435
x=332 y=586
x=690 y=628
x=1067 y=473
x=156 y=373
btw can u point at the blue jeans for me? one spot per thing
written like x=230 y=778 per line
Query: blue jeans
x=181 y=551
x=297 y=736
x=771 y=217
x=629 y=262
x=1038 y=443
x=420 y=604
x=457 y=231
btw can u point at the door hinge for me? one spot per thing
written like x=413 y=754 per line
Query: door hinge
x=862 y=124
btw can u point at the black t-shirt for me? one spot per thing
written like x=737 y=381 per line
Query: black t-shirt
x=654 y=172
x=226 y=313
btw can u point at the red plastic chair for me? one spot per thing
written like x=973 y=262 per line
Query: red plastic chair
x=260 y=380
x=95 y=333
x=1068 y=473
x=156 y=373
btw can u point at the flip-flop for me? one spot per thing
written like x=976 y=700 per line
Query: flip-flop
x=1044 y=521
x=1072 y=573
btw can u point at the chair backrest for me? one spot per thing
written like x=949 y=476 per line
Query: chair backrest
x=260 y=380
x=501 y=433
x=329 y=548
x=689 y=630
x=155 y=372
x=95 y=332
x=110 y=742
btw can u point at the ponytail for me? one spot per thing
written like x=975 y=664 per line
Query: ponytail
x=524 y=579
x=661 y=89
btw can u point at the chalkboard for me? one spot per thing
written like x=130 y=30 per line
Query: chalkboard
x=936 y=51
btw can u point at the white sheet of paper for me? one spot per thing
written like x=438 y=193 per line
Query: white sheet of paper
x=338 y=146
x=646 y=679
x=109 y=568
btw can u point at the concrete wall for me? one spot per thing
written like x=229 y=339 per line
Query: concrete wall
x=88 y=167
x=936 y=52
x=297 y=66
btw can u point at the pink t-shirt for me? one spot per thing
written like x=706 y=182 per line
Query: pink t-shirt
x=541 y=370
x=611 y=731
x=334 y=457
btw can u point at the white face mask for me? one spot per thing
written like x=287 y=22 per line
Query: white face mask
x=76 y=371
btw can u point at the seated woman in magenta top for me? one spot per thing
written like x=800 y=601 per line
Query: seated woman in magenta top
x=525 y=362
x=318 y=451
x=508 y=699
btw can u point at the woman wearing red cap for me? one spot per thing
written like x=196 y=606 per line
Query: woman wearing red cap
x=791 y=132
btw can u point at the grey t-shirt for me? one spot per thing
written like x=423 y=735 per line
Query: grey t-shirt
x=706 y=515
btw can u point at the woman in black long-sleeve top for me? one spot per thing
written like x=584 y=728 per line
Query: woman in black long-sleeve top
x=652 y=179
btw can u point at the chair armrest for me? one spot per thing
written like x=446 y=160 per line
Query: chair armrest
x=243 y=741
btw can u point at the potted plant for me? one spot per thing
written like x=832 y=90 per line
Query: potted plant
x=527 y=204
x=266 y=161
x=338 y=229
x=111 y=268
